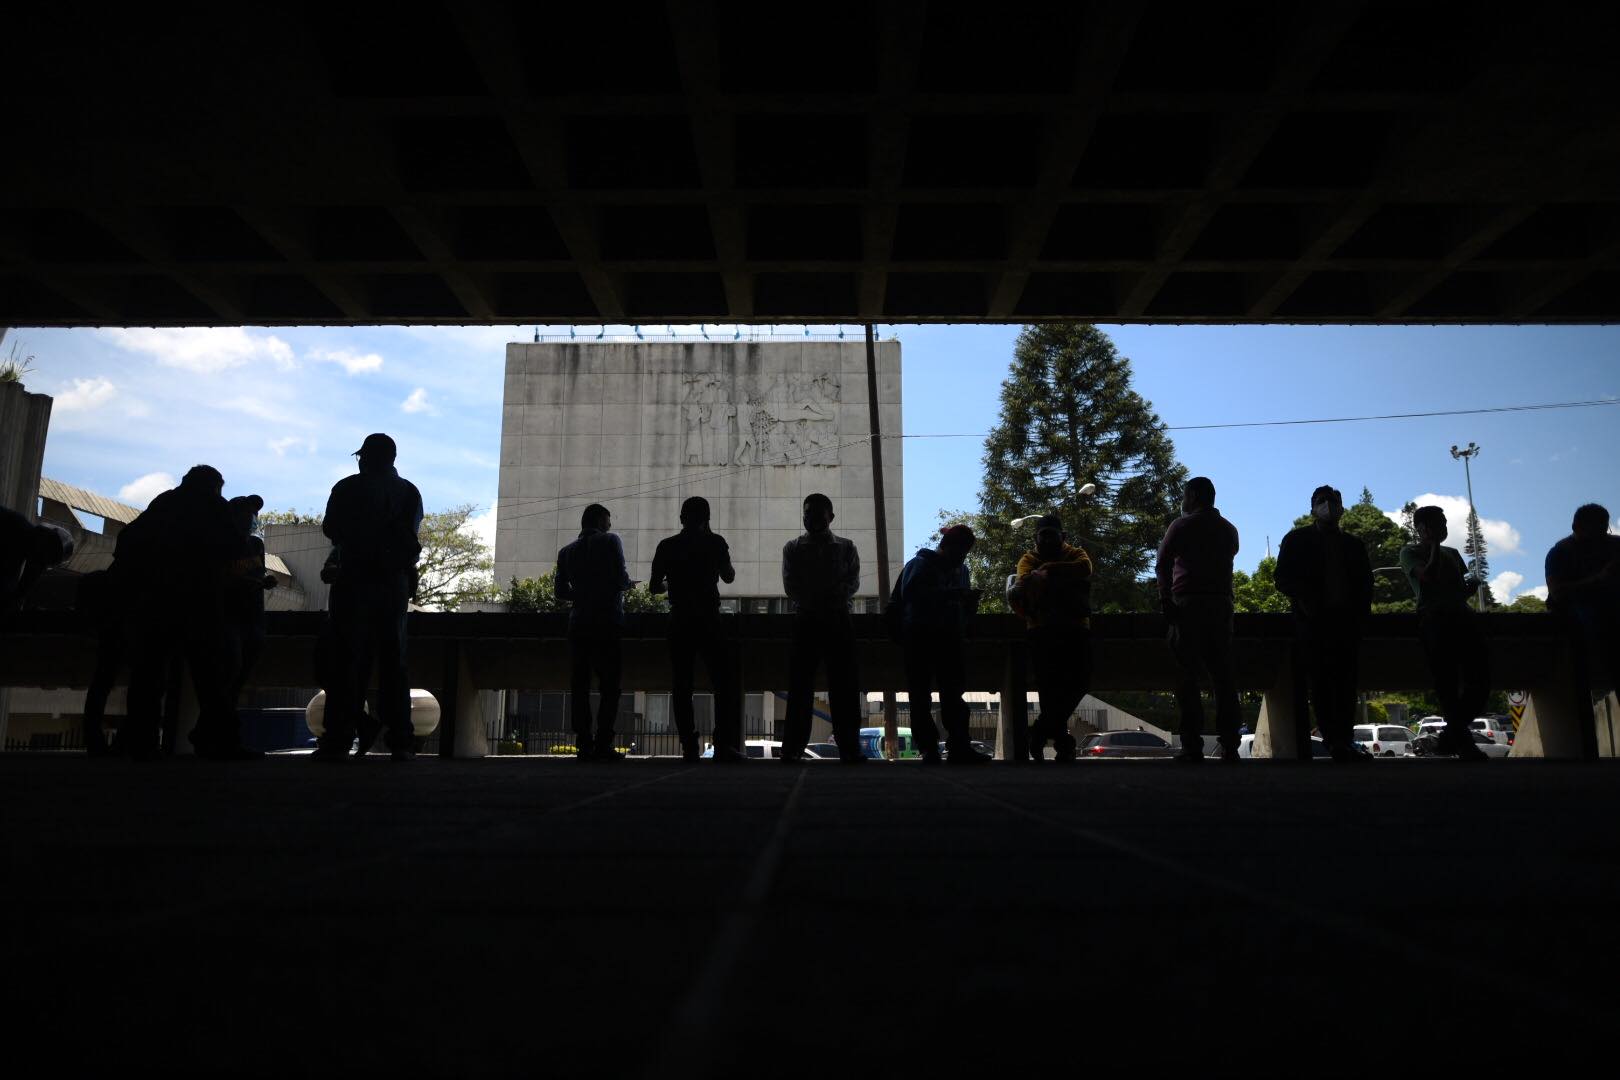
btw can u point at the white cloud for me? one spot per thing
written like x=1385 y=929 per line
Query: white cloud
x=483 y=461
x=288 y=442
x=144 y=489
x=1503 y=584
x=418 y=402
x=482 y=525
x=204 y=350
x=352 y=362
x=1539 y=592
x=261 y=410
x=85 y=395
x=1501 y=538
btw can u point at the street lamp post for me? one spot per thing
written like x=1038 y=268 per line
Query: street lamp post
x=1467 y=454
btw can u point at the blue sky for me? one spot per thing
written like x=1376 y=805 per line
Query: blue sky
x=279 y=411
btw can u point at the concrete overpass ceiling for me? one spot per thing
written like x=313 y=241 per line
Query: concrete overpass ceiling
x=709 y=161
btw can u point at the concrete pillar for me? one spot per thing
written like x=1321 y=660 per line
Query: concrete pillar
x=1012 y=728
x=1554 y=714
x=1276 y=733
x=1608 y=725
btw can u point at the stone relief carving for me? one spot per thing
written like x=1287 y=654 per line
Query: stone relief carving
x=786 y=420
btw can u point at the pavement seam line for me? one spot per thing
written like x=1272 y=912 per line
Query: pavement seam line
x=1553 y=999
x=692 y=1025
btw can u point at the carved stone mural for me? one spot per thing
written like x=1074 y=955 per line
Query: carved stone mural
x=786 y=420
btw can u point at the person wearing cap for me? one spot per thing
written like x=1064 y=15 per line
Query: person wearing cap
x=934 y=594
x=1453 y=643
x=690 y=566
x=373 y=516
x=27 y=550
x=1327 y=578
x=820 y=574
x=1194 y=573
x=175 y=557
x=1053 y=594
x=591 y=575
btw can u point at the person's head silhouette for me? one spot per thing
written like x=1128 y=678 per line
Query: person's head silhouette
x=1049 y=536
x=596 y=516
x=377 y=452
x=1327 y=506
x=1199 y=494
x=1590 y=521
x=1429 y=523
x=818 y=513
x=695 y=513
x=954 y=544
x=202 y=480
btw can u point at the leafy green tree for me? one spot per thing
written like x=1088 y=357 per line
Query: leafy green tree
x=1068 y=418
x=540 y=594
x=288 y=517
x=1258 y=591
x=455 y=564
x=1479 y=566
x=1527 y=605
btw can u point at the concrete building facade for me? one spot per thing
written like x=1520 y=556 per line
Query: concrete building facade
x=753 y=427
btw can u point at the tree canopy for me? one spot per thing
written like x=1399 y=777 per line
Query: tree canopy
x=1068 y=418
x=455 y=565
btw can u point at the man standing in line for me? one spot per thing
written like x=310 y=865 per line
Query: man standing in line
x=691 y=563
x=1325 y=574
x=373 y=518
x=934 y=593
x=591 y=574
x=820 y=573
x=1453 y=643
x=1195 y=593
x=1583 y=586
x=1053 y=594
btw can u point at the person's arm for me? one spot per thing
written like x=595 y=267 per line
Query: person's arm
x=852 y=575
x=1415 y=572
x=790 y=577
x=625 y=584
x=562 y=581
x=655 y=577
x=1164 y=571
x=728 y=573
x=1286 y=576
x=332 y=522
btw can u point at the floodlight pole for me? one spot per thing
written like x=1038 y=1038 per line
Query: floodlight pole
x=891 y=720
x=1467 y=454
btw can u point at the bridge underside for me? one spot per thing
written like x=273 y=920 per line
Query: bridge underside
x=492 y=163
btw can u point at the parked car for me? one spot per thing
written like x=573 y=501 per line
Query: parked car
x=1384 y=740
x=1428 y=745
x=1494 y=728
x=1319 y=747
x=981 y=747
x=768 y=749
x=872 y=743
x=1140 y=744
x=823 y=750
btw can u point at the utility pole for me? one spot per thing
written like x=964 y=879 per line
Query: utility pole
x=1467 y=454
x=891 y=720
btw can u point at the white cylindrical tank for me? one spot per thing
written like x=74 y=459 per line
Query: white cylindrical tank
x=424 y=713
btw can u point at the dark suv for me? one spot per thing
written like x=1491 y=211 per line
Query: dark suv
x=1125 y=744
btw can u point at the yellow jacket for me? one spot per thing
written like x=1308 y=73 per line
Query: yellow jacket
x=1064 y=598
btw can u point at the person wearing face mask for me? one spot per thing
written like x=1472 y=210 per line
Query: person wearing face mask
x=1325 y=574
x=1453 y=643
x=1053 y=594
x=689 y=565
x=935 y=594
x=1194 y=573
x=820 y=574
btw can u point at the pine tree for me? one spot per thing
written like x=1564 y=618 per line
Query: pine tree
x=1479 y=567
x=1068 y=418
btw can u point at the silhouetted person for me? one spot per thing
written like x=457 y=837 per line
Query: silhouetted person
x=1053 y=593
x=591 y=574
x=820 y=573
x=1453 y=644
x=1195 y=593
x=27 y=550
x=690 y=564
x=373 y=517
x=245 y=585
x=176 y=554
x=1325 y=575
x=935 y=593
x=1583 y=587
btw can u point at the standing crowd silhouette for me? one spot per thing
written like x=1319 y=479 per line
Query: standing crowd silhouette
x=185 y=593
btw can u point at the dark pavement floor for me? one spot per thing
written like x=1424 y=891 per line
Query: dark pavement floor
x=519 y=916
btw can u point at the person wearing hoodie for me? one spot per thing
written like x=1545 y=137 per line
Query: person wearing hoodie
x=1053 y=594
x=935 y=597
x=690 y=565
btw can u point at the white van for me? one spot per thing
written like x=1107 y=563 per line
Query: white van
x=1384 y=740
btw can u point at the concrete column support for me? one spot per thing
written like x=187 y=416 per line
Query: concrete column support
x=1277 y=732
x=1012 y=730
x=465 y=711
